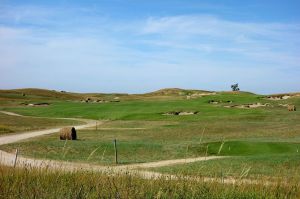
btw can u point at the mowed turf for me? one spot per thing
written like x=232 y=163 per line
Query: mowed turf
x=144 y=134
x=136 y=109
x=244 y=159
x=248 y=148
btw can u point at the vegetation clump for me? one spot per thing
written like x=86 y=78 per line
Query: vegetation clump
x=41 y=183
x=235 y=87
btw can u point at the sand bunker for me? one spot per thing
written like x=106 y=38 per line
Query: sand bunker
x=181 y=113
x=290 y=107
x=98 y=101
x=36 y=104
x=279 y=97
x=219 y=101
x=196 y=95
x=255 y=105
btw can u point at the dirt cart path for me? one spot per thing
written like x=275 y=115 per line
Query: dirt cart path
x=89 y=123
x=9 y=159
x=6 y=139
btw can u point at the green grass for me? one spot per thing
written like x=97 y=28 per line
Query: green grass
x=143 y=145
x=264 y=139
x=15 y=124
x=33 y=183
x=133 y=146
x=247 y=148
x=255 y=167
x=146 y=109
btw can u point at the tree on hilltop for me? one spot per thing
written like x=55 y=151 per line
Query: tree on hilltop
x=235 y=87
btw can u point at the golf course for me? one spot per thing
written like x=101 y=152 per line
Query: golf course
x=243 y=141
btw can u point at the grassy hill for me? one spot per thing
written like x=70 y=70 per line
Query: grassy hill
x=259 y=136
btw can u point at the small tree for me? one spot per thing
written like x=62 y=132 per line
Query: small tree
x=235 y=87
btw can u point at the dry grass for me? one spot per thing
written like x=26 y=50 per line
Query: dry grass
x=15 y=124
x=34 y=183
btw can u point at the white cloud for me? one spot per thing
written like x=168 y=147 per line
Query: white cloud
x=203 y=52
x=273 y=42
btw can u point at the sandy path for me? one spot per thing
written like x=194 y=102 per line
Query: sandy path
x=22 y=136
x=120 y=128
x=10 y=113
x=170 y=162
x=8 y=159
x=6 y=139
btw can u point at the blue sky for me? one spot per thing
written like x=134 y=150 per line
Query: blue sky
x=136 y=46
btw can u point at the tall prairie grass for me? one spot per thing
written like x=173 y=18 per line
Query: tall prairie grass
x=41 y=183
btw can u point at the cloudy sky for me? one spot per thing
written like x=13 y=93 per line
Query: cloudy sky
x=137 y=46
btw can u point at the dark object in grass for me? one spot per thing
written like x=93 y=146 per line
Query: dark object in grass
x=68 y=133
x=87 y=100
x=291 y=107
x=219 y=101
x=41 y=104
x=181 y=113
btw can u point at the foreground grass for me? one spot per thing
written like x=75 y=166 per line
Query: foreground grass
x=33 y=183
x=15 y=124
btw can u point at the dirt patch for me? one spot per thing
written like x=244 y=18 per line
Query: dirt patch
x=255 y=105
x=114 y=101
x=278 y=97
x=219 y=101
x=89 y=100
x=101 y=101
x=197 y=95
x=36 y=104
x=283 y=105
x=181 y=113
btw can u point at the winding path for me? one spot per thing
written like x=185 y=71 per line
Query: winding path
x=8 y=159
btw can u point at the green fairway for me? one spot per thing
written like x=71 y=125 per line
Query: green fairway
x=246 y=148
x=136 y=109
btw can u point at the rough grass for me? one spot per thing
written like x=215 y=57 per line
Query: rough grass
x=254 y=167
x=15 y=124
x=248 y=148
x=33 y=183
x=154 y=144
x=133 y=146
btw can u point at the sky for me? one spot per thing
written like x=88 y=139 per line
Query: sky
x=137 y=46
